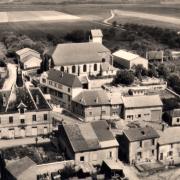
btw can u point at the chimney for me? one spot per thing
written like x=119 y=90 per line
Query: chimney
x=4 y=100
x=37 y=99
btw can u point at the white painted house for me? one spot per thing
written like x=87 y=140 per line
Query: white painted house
x=128 y=60
x=28 y=58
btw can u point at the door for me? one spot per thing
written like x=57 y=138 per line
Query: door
x=11 y=133
x=45 y=130
x=22 y=132
x=34 y=131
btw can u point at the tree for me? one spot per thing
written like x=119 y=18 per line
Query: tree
x=68 y=171
x=114 y=23
x=163 y=71
x=124 y=77
x=170 y=104
x=2 y=166
x=140 y=71
x=152 y=72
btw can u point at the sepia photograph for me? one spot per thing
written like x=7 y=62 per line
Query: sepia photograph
x=90 y=89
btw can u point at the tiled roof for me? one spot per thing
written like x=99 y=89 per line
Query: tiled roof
x=96 y=33
x=66 y=79
x=88 y=136
x=19 y=166
x=92 y=98
x=170 y=135
x=142 y=101
x=138 y=134
x=77 y=53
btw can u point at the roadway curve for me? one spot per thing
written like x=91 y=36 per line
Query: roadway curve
x=106 y=21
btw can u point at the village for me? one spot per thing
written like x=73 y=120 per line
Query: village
x=81 y=111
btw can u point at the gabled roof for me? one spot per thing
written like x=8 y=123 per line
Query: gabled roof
x=170 y=136
x=115 y=98
x=19 y=166
x=25 y=50
x=96 y=33
x=92 y=98
x=63 y=78
x=126 y=55
x=30 y=58
x=142 y=101
x=138 y=134
x=89 y=136
x=77 y=53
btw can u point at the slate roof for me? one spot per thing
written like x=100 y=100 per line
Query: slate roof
x=66 y=79
x=96 y=33
x=176 y=113
x=18 y=95
x=88 y=136
x=138 y=134
x=92 y=98
x=142 y=101
x=19 y=166
x=170 y=136
x=77 y=53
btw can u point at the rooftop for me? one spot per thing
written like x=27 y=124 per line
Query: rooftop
x=92 y=98
x=142 y=101
x=77 y=53
x=175 y=113
x=170 y=135
x=90 y=136
x=19 y=166
x=66 y=79
x=96 y=33
x=138 y=134
x=155 y=54
x=125 y=55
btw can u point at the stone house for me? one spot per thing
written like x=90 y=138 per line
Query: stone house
x=153 y=56
x=174 y=119
x=62 y=87
x=169 y=146
x=139 y=145
x=23 y=111
x=88 y=142
x=139 y=108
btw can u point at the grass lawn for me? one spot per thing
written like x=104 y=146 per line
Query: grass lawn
x=43 y=153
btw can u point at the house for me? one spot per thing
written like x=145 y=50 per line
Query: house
x=175 y=117
x=139 y=145
x=139 y=108
x=23 y=111
x=88 y=142
x=169 y=146
x=128 y=60
x=21 y=169
x=175 y=55
x=96 y=36
x=80 y=58
x=61 y=86
x=155 y=56
x=91 y=105
x=29 y=58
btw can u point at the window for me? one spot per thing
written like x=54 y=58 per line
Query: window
x=139 y=115
x=103 y=112
x=95 y=67
x=171 y=145
x=60 y=86
x=153 y=152
x=177 y=119
x=170 y=153
x=60 y=94
x=90 y=113
x=50 y=82
x=45 y=117
x=0 y=120
x=153 y=141
x=82 y=158
x=110 y=154
x=73 y=69
x=10 y=119
x=103 y=60
x=161 y=156
x=22 y=121
x=44 y=80
x=22 y=110
x=139 y=154
x=62 y=68
x=69 y=98
x=84 y=68
x=34 y=117
x=69 y=90
x=140 y=143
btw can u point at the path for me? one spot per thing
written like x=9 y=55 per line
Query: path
x=19 y=142
x=106 y=21
x=12 y=77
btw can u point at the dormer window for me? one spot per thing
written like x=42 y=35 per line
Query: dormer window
x=22 y=108
x=22 y=111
